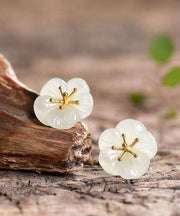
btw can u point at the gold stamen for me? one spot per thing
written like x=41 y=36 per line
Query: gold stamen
x=134 y=154
x=52 y=100
x=116 y=148
x=74 y=102
x=134 y=142
x=66 y=98
x=61 y=107
x=60 y=88
x=126 y=148
x=124 y=140
x=73 y=92
x=121 y=156
x=65 y=94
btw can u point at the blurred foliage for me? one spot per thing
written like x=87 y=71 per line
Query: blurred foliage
x=161 y=48
x=172 y=78
x=137 y=98
x=171 y=114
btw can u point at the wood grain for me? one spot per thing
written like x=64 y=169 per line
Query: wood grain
x=25 y=144
x=106 y=43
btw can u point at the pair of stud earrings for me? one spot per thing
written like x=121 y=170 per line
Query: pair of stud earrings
x=125 y=151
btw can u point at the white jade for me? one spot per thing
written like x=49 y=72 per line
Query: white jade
x=129 y=167
x=50 y=114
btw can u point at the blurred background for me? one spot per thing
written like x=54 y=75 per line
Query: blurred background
x=112 y=44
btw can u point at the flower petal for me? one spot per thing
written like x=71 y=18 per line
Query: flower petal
x=63 y=119
x=85 y=103
x=131 y=128
x=51 y=88
x=146 y=145
x=109 y=164
x=109 y=138
x=78 y=83
x=49 y=113
x=128 y=168
x=42 y=106
x=132 y=168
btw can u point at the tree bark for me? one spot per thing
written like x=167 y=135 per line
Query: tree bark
x=25 y=144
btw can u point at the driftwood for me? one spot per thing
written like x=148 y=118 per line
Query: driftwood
x=25 y=144
x=103 y=44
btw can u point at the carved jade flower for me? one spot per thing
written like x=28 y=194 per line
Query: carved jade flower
x=61 y=105
x=127 y=149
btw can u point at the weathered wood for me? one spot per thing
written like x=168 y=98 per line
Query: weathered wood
x=25 y=144
x=104 y=42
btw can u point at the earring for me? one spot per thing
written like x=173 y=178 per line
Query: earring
x=127 y=149
x=61 y=105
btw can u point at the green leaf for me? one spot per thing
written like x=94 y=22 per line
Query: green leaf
x=137 y=98
x=171 y=114
x=161 y=48
x=172 y=78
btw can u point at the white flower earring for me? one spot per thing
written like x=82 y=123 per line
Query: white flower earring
x=61 y=105
x=127 y=149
